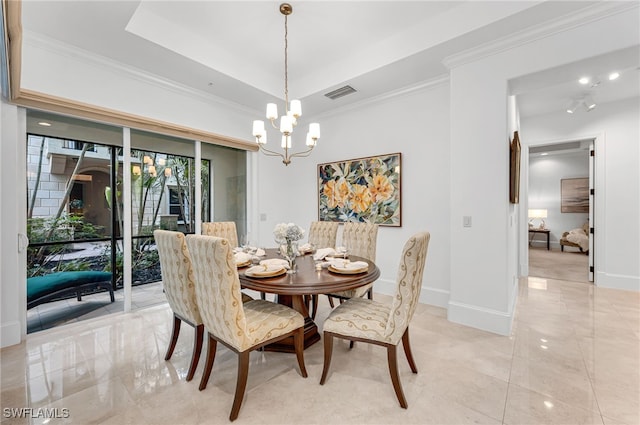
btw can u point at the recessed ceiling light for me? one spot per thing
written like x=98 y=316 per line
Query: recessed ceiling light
x=545 y=153
x=613 y=76
x=584 y=80
x=44 y=124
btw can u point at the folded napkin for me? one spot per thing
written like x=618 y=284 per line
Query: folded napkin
x=342 y=264
x=264 y=270
x=275 y=262
x=304 y=248
x=260 y=252
x=323 y=252
x=242 y=257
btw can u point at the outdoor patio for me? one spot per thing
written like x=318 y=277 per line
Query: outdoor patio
x=57 y=313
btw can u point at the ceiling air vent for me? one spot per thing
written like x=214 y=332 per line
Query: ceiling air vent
x=342 y=91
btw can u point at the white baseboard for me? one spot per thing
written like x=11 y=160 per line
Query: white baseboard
x=495 y=321
x=616 y=281
x=10 y=334
x=428 y=295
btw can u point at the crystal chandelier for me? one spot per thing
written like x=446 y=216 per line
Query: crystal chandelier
x=291 y=114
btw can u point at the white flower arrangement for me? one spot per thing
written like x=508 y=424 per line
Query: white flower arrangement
x=288 y=232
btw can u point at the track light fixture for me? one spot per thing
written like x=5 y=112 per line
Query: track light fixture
x=586 y=102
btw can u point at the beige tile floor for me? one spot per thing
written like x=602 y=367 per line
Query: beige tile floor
x=573 y=358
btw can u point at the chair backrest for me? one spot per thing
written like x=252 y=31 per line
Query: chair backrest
x=222 y=229
x=178 y=280
x=361 y=239
x=323 y=234
x=409 y=283
x=218 y=289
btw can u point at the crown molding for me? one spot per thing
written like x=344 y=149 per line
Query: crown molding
x=66 y=50
x=537 y=32
x=423 y=85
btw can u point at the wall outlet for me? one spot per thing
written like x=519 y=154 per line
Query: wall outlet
x=263 y=217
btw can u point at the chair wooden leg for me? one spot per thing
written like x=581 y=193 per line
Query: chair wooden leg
x=392 y=358
x=330 y=301
x=298 y=341
x=370 y=293
x=197 y=348
x=314 y=306
x=211 y=356
x=263 y=296
x=328 y=350
x=407 y=351
x=241 y=384
x=174 y=337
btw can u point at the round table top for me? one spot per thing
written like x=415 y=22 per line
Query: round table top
x=307 y=280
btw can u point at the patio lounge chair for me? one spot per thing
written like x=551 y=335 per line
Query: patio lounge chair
x=42 y=289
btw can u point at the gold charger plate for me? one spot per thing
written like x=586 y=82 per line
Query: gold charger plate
x=348 y=271
x=243 y=264
x=269 y=273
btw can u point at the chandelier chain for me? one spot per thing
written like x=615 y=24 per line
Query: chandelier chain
x=286 y=65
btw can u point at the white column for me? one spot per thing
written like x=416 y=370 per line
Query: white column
x=126 y=219
x=198 y=168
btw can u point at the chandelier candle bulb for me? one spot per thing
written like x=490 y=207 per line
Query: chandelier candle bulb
x=314 y=130
x=296 y=108
x=258 y=128
x=272 y=111
x=167 y=172
x=286 y=124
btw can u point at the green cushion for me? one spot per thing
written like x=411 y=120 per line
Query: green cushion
x=43 y=285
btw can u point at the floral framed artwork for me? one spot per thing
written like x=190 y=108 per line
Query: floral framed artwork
x=361 y=190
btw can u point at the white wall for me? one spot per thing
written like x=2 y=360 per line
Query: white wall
x=618 y=194
x=415 y=124
x=545 y=174
x=482 y=277
x=12 y=216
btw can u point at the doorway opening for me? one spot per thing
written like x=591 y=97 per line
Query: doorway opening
x=560 y=210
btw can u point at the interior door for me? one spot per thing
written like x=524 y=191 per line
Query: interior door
x=591 y=207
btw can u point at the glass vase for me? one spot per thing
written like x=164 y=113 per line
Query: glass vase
x=289 y=250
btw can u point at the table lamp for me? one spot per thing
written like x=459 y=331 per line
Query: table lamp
x=541 y=214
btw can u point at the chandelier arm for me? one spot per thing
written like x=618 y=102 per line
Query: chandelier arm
x=270 y=152
x=302 y=154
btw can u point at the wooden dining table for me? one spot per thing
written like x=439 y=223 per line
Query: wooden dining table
x=290 y=290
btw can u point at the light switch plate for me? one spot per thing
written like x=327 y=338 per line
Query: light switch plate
x=466 y=221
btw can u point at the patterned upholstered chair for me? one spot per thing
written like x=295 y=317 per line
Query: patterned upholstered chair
x=179 y=287
x=360 y=319
x=322 y=234
x=360 y=239
x=240 y=327
x=222 y=229
x=227 y=230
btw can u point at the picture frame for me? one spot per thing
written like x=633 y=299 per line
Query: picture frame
x=574 y=195
x=514 y=169
x=361 y=190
